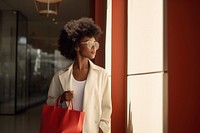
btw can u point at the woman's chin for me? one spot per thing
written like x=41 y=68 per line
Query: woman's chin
x=92 y=57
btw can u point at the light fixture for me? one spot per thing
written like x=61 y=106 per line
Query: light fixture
x=47 y=7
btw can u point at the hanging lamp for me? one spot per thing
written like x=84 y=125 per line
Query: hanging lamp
x=47 y=7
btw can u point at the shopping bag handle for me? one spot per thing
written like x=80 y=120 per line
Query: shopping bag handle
x=57 y=100
x=68 y=103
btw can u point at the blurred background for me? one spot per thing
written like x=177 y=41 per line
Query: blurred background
x=28 y=50
x=29 y=57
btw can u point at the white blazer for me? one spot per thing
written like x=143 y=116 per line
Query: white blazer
x=97 y=103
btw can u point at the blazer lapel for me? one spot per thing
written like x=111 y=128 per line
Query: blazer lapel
x=65 y=79
x=90 y=84
x=66 y=82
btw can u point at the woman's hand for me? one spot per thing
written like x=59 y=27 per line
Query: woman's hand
x=67 y=96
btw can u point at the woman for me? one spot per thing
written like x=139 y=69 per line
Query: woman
x=83 y=82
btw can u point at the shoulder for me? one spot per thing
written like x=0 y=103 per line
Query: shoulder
x=62 y=70
x=102 y=71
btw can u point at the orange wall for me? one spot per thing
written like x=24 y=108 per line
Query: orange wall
x=184 y=66
x=119 y=55
x=119 y=65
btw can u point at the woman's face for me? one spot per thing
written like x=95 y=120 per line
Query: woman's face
x=88 y=47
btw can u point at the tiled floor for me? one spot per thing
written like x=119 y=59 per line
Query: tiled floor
x=26 y=122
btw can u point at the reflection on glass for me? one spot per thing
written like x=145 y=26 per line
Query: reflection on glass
x=21 y=89
x=41 y=70
x=7 y=61
x=25 y=72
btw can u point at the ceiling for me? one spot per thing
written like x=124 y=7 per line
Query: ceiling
x=43 y=29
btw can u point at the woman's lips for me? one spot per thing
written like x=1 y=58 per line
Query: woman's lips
x=93 y=52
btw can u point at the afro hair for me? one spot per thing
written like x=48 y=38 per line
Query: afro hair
x=73 y=32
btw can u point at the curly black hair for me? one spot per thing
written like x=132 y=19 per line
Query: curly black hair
x=73 y=32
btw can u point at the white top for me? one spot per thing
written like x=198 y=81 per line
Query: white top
x=78 y=88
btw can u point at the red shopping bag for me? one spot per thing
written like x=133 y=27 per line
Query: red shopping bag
x=59 y=120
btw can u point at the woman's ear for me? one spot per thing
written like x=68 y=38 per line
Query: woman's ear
x=77 y=48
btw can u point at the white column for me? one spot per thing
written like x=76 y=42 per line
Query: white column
x=146 y=76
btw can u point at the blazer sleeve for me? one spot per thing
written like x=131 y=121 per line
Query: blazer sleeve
x=55 y=90
x=106 y=106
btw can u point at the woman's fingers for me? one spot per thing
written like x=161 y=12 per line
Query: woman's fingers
x=68 y=96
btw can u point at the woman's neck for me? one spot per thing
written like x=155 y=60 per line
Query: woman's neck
x=81 y=64
x=81 y=69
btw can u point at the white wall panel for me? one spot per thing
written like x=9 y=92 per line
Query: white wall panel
x=145 y=36
x=108 y=37
x=145 y=98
